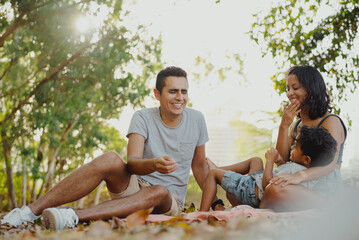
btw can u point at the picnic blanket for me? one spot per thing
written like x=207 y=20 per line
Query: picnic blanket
x=239 y=211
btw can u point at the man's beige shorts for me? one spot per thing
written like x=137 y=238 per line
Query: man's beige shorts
x=136 y=183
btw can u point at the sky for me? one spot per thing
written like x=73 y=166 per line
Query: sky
x=214 y=31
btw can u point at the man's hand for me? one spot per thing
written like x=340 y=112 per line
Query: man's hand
x=164 y=164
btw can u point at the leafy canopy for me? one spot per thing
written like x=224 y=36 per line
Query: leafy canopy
x=323 y=34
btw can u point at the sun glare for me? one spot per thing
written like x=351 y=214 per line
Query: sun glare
x=82 y=24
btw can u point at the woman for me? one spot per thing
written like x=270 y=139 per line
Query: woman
x=309 y=100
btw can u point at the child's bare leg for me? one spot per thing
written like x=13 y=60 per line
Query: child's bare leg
x=232 y=200
x=211 y=164
x=214 y=177
x=248 y=166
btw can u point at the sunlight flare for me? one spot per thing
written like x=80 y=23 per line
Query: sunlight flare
x=82 y=24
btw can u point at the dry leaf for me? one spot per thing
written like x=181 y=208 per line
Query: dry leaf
x=137 y=218
x=99 y=229
x=213 y=221
x=191 y=208
x=118 y=223
x=173 y=220
x=184 y=225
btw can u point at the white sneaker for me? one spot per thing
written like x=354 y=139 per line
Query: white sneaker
x=19 y=216
x=59 y=218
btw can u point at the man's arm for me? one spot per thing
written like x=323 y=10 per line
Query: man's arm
x=200 y=166
x=137 y=165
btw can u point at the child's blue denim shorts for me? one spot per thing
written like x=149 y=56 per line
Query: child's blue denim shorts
x=243 y=187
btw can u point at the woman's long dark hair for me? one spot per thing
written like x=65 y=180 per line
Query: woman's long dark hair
x=317 y=95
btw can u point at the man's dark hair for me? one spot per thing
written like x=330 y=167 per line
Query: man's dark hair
x=168 y=71
x=318 y=144
x=317 y=95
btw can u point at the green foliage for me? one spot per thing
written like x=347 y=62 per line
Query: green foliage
x=59 y=84
x=219 y=70
x=323 y=34
x=252 y=141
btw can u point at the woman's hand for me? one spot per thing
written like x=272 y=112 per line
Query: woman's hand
x=286 y=179
x=290 y=112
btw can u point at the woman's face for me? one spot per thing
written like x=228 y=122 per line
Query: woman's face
x=295 y=90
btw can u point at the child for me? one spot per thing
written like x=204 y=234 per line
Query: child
x=314 y=147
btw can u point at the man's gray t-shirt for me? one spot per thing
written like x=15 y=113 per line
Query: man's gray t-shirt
x=178 y=142
x=290 y=168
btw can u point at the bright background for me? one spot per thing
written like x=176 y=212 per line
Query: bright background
x=213 y=31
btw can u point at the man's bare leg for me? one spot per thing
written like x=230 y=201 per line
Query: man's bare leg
x=154 y=196
x=108 y=167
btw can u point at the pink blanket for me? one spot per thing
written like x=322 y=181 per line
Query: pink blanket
x=241 y=211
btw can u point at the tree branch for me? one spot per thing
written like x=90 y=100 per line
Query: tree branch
x=15 y=25
x=12 y=91
x=19 y=21
x=12 y=63
x=44 y=81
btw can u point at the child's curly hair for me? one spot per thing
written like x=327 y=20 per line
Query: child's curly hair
x=318 y=144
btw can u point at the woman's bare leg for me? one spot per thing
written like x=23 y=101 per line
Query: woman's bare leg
x=290 y=198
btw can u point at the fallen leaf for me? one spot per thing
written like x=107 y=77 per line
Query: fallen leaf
x=173 y=220
x=191 y=208
x=99 y=229
x=118 y=223
x=137 y=218
x=213 y=221
x=184 y=225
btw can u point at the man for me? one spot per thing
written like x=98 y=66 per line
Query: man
x=163 y=144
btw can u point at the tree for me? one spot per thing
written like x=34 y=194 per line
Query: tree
x=252 y=140
x=60 y=84
x=323 y=34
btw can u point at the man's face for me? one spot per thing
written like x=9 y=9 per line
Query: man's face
x=174 y=96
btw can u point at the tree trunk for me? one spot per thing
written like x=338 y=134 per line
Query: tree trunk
x=9 y=178
x=61 y=168
x=24 y=183
x=39 y=158
x=43 y=185
x=33 y=191
x=80 y=203
x=51 y=172
x=47 y=184
x=98 y=192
